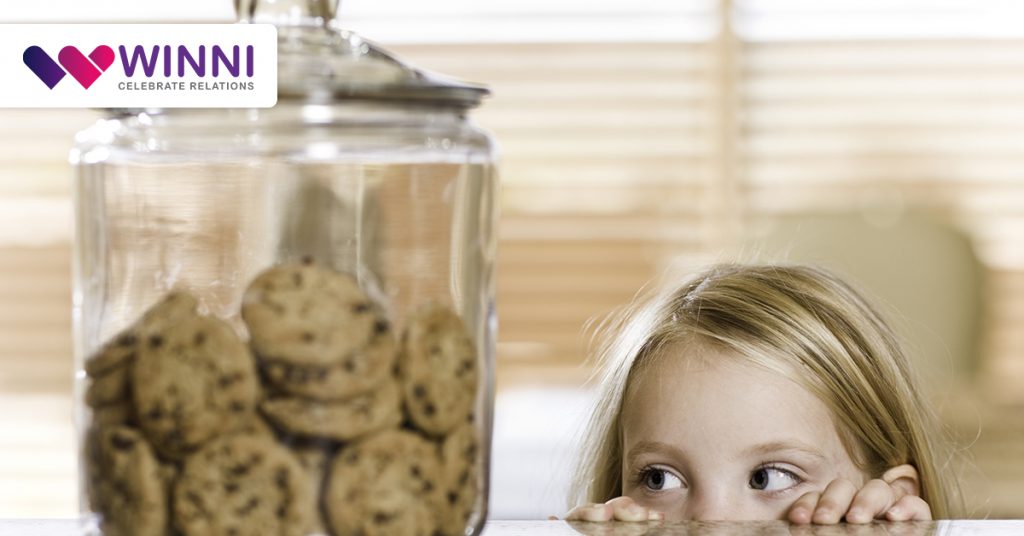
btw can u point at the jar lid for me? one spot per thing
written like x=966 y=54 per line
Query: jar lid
x=319 y=62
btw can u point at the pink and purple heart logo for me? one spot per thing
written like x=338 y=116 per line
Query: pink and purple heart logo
x=85 y=69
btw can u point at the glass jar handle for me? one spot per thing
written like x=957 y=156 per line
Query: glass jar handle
x=287 y=12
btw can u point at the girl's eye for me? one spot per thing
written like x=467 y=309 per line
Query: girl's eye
x=660 y=479
x=770 y=478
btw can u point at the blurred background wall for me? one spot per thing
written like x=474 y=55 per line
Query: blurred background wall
x=642 y=140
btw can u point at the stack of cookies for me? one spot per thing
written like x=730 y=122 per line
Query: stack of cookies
x=323 y=422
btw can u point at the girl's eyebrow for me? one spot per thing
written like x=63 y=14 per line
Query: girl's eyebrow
x=783 y=446
x=652 y=447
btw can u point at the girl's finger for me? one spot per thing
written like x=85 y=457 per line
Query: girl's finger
x=834 y=502
x=873 y=500
x=626 y=509
x=909 y=508
x=590 y=512
x=802 y=510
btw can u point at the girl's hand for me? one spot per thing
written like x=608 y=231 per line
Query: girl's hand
x=893 y=497
x=617 y=509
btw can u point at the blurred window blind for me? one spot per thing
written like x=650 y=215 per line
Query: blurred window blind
x=37 y=466
x=912 y=103
x=609 y=143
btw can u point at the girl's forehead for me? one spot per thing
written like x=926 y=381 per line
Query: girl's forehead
x=674 y=360
x=676 y=363
x=722 y=402
x=725 y=409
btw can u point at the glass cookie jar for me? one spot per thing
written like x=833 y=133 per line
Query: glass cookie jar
x=284 y=318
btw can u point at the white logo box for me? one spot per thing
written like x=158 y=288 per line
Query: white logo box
x=153 y=65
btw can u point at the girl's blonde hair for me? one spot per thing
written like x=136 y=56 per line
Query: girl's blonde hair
x=799 y=321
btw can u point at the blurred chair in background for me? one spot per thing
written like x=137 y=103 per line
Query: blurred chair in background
x=924 y=271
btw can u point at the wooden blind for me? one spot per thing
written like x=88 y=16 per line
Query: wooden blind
x=38 y=466
x=918 y=107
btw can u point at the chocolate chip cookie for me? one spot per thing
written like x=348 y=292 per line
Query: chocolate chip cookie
x=355 y=374
x=460 y=456
x=191 y=381
x=316 y=460
x=116 y=353
x=175 y=305
x=115 y=414
x=385 y=485
x=438 y=370
x=336 y=420
x=243 y=485
x=109 y=369
x=111 y=387
x=125 y=482
x=304 y=314
x=254 y=425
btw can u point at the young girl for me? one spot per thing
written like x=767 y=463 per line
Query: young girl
x=756 y=393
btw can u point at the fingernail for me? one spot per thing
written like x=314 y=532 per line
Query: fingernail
x=854 y=515
x=895 y=511
x=635 y=509
x=655 y=515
